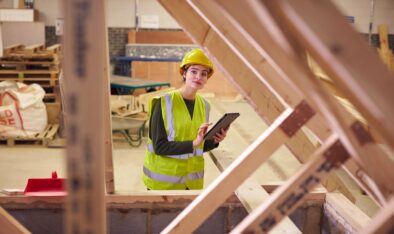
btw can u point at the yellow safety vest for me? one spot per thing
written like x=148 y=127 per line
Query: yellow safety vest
x=163 y=172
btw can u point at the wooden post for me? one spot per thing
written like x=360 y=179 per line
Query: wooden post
x=9 y=224
x=84 y=72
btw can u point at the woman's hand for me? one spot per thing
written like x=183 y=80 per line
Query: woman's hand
x=200 y=135
x=220 y=135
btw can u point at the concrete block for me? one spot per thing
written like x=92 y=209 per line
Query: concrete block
x=127 y=221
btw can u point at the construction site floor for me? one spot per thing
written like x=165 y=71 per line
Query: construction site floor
x=19 y=163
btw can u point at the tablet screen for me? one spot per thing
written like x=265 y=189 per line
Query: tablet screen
x=223 y=122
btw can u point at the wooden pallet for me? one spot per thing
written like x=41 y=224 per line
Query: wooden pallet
x=41 y=77
x=33 y=53
x=42 y=138
x=48 y=84
x=29 y=65
x=43 y=81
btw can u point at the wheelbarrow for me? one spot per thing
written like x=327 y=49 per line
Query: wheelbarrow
x=131 y=127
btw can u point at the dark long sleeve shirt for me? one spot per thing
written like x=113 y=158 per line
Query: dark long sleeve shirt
x=158 y=134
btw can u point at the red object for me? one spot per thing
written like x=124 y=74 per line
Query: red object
x=46 y=186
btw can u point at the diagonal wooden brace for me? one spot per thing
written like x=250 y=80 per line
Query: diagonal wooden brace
x=9 y=224
x=383 y=221
x=285 y=199
x=257 y=153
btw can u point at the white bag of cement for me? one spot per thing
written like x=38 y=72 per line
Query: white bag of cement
x=22 y=110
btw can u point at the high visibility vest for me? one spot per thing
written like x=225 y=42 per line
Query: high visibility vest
x=162 y=172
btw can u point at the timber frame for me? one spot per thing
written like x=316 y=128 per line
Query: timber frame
x=259 y=45
x=263 y=56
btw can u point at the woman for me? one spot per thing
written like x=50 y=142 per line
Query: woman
x=178 y=122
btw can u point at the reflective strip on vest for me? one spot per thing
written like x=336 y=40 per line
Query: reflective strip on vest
x=196 y=152
x=170 y=118
x=164 y=178
x=196 y=175
x=206 y=111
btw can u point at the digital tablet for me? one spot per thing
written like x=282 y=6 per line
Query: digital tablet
x=223 y=122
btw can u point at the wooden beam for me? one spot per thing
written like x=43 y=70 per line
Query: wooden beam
x=264 y=78
x=346 y=214
x=240 y=169
x=383 y=221
x=145 y=199
x=261 y=29
x=285 y=199
x=84 y=70
x=379 y=167
x=9 y=224
x=250 y=192
x=347 y=58
x=263 y=100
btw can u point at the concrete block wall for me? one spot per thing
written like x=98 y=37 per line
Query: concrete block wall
x=133 y=220
x=308 y=218
x=118 y=38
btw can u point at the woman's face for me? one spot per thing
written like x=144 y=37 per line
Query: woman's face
x=196 y=76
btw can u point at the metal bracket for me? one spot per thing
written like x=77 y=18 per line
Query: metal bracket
x=362 y=135
x=336 y=154
x=301 y=114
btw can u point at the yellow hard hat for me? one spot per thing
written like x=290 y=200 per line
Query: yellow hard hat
x=196 y=56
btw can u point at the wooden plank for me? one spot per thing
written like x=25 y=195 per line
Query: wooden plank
x=187 y=18
x=54 y=49
x=254 y=87
x=84 y=67
x=12 y=49
x=211 y=198
x=9 y=224
x=383 y=221
x=32 y=49
x=383 y=36
x=250 y=192
x=344 y=57
x=53 y=112
x=145 y=199
x=258 y=27
x=285 y=199
x=107 y=122
x=346 y=126
x=345 y=213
